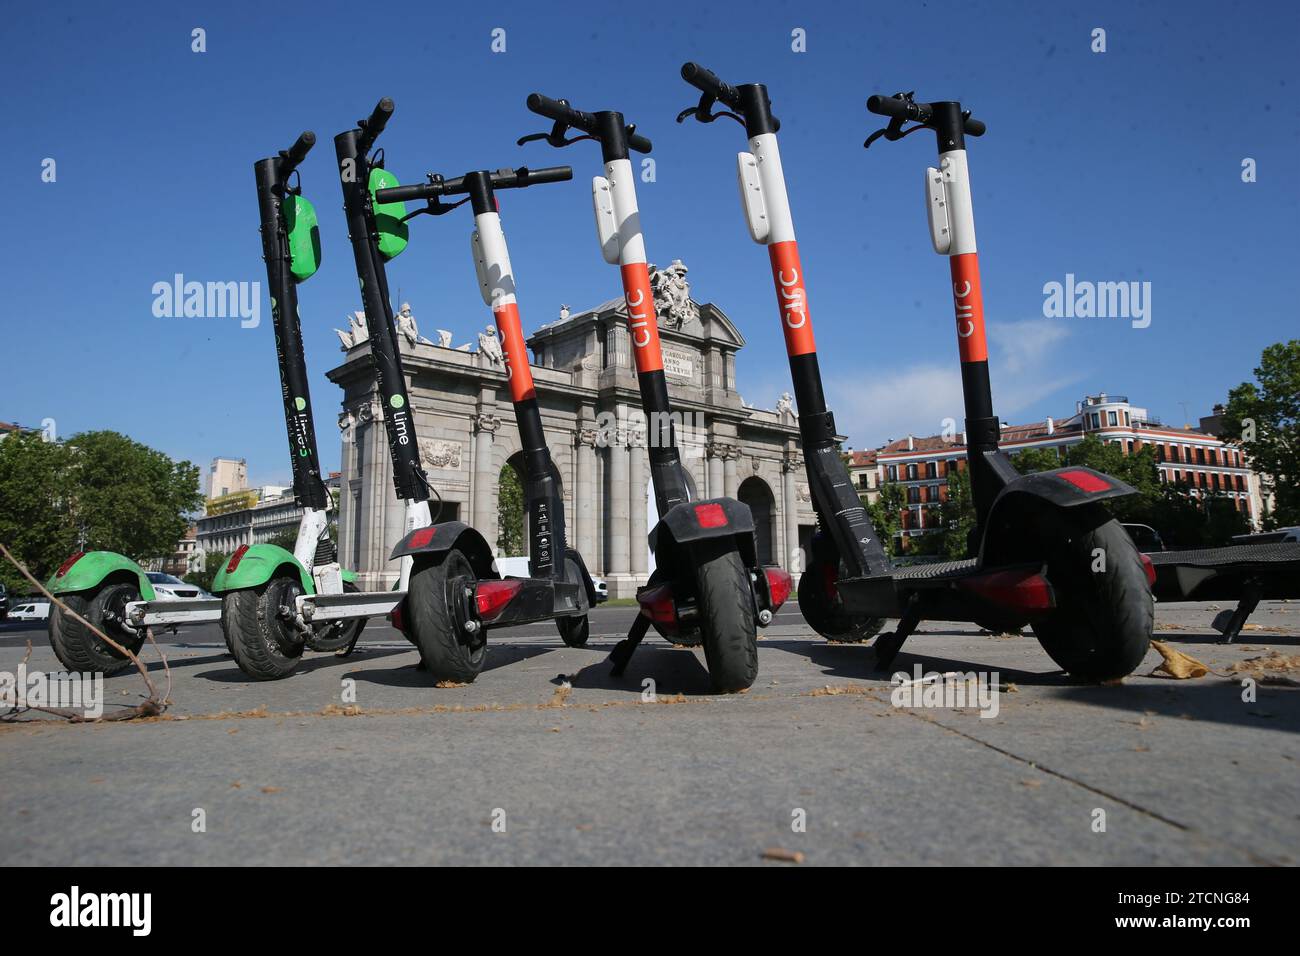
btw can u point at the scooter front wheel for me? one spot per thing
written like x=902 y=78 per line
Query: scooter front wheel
x=264 y=641
x=574 y=630
x=725 y=601
x=80 y=649
x=1101 y=627
x=436 y=601
x=823 y=608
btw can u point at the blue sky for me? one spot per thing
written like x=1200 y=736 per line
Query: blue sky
x=1121 y=166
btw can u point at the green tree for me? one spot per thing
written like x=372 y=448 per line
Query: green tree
x=886 y=514
x=510 y=513
x=1265 y=414
x=958 y=515
x=96 y=491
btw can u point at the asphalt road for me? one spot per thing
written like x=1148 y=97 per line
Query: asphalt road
x=517 y=768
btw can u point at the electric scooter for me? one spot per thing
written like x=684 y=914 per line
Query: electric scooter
x=1044 y=552
x=449 y=591
x=558 y=585
x=258 y=580
x=707 y=587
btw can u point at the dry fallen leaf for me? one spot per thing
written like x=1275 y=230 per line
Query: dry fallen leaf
x=1177 y=664
x=782 y=856
x=270 y=789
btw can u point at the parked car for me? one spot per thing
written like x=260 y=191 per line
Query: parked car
x=602 y=589
x=31 y=611
x=4 y=602
x=171 y=588
x=1146 y=538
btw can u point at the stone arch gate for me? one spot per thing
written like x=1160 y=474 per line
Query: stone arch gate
x=587 y=391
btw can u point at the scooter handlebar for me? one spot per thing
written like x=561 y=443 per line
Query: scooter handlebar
x=898 y=108
x=404 y=193
x=379 y=116
x=566 y=114
x=706 y=81
x=519 y=178
x=301 y=147
x=523 y=177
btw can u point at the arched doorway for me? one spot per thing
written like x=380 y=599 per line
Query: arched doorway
x=511 y=539
x=755 y=493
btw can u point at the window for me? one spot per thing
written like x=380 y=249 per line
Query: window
x=914 y=495
x=931 y=469
x=1160 y=452
x=1200 y=454
x=893 y=472
x=911 y=472
x=1096 y=420
x=1112 y=418
x=933 y=493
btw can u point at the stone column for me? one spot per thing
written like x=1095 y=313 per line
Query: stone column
x=483 y=492
x=639 y=563
x=715 y=489
x=792 y=561
x=618 y=566
x=730 y=480
x=584 y=493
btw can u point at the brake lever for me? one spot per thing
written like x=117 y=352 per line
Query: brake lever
x=893 y=132
x=703 y=111
x=555 y=137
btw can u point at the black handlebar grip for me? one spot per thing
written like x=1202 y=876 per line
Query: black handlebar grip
x=639 y=143
x=554 y=109
x=534 y=177
x=974 y=127
x=886 y=105
x=379 y=117
x=706 y=81
x=405 y=193
x=301 y=147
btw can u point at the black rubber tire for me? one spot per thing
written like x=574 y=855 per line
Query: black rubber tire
x=80 y=650
x=336 y=635
x=1101 y=627
x=825 y=613
x=575 y=630
x=727 y=620
x=265 y=647
x=447 y=652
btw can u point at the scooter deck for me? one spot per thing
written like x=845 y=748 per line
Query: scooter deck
x=149 y=613
x=887 y=595
x=1222 y=573
x=349 y=605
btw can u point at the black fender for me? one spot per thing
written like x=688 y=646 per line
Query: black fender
x=432 y=542
x=1021 y=509
x=690 y=522
x=587 y=584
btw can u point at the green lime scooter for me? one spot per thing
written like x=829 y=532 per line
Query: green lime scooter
x=259 y=582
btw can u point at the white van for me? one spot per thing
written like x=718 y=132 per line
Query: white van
x=517 y=567
x=31 y=611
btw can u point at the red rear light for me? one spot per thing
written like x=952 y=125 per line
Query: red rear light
x=1084 y=480
x=235 y=558
x=657 y=604
x=67 y=565
x=779 y=585
x=1149 y=568
x=421 y=538
x=395 y=618
x=711 y=516
x=491 y=596
x=1021 y=590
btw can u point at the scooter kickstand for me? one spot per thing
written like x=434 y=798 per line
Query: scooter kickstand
x=1230 y=623
x=624 y=649
x=888 y=645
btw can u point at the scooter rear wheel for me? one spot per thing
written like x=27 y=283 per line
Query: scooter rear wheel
x=266 y=646
x=436 y=623
x=726 y=613
x=77 y=647
x=335 y=635
x=574 y=630
x=823 y=608
x=1101 y=627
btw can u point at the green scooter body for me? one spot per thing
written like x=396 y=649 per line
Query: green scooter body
x=259 y=564
x=89 y=571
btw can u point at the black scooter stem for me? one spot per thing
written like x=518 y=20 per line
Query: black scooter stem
x=272 y=177
x=409 y=478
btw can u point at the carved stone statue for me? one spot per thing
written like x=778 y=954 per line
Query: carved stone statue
x=490 y=346
x=564 y=312
x=444 y=338
x=357 y=334
x=672 y=294
x=405 y=322
x=785 y=404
